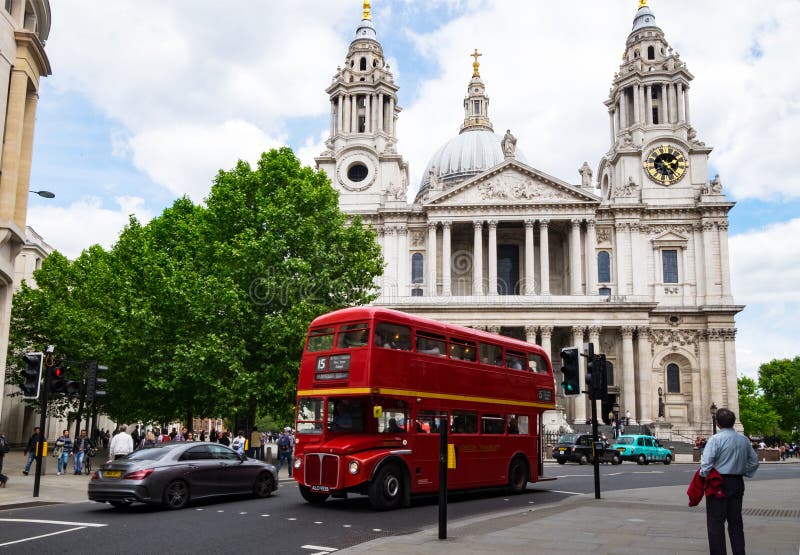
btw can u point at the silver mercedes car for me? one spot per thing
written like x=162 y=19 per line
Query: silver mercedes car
x=175 y=473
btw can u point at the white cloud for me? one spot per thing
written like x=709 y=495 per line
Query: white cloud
x=86 y=222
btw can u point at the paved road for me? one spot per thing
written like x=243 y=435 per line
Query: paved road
x=284 y=523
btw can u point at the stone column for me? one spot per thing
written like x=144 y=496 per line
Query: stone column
x=580 y=400
x=637 y=256
x=402 y=262
x=547 y=335
x=645 y=415
x=699 y=262
x=712 y=285
x=611 y=124
x=623 y=115
x=391 y=116
x=530 y=280
x=642 y=104
x=340 y=114
x=380 y=112
x=621 y=255
x=575 y=270
x=477 y=258
x=732 y=400
x=446 y=248
x=432 y=291
x=636 y=105
x=648 y=105
x=591 y=258
x=492 y=257
x=380 y=280
x=616 y=126
x=544 y=257
x=671 y=103
x=530 y=334
x=354 y=113
x=26 y=155
x=686 y=103
x=13 y=145
x=681 y=103
x=628 y=374
x=664 y=103
x=368 y=113
x=390 y=254
x=716 y=369
x=703 y=401
x=724 y=259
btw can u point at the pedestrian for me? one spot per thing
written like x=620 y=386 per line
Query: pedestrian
x=729 y=453
x=30 y=449
x=64 y=443
x=121 y=444
x=238 y=443
x=285 y=450
x=212 y=437
x=136 y=436
x=224 y=438
x=4 y=448
x=255 y=443
x=82 y=445
x=627 y=417
x=203 y=435
x=149 y=441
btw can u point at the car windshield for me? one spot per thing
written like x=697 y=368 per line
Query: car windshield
x=622 y=440
x=152 y=454
x=568 y=438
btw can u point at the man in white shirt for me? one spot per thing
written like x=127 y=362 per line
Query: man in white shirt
x=121 y=444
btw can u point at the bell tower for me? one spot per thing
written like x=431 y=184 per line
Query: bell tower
x=361 y=156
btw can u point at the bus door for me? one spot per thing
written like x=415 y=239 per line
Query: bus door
x=470 y=454
x=425 y=473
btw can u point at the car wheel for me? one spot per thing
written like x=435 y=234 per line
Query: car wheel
x=561 y=461
x=312 y=497
x=176 y=495
x=641 y=459
x=583 y=459
x=264 y=485
x=616 y=459
x=518 y=475
x=386 y=490
x=668 y=459
x=120 y=504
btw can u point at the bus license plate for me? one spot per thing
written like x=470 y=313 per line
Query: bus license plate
x=322 y=489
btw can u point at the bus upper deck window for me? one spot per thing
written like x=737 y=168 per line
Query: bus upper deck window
x=461 y=349
x=515 y=361
x=431 y=344
x=536 y=363
x=320 y=339
x=353 y=335
x=490 y=354
x=392 y=336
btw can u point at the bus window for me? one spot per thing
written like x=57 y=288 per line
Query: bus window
x=393 y=421
x=427 y=422
x=353 y=335
x=461 y=349
x=309 y=415
x=518 y=424
x=515 y=361
x=491 y=354
x=430 y=344
x=492 y=424
x=464 y=422
x=536 y=363
x=392 y=336
x=345 y=415
x=320 y=339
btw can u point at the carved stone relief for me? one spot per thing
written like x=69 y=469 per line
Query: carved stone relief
x=518 y=187
x=674 y=339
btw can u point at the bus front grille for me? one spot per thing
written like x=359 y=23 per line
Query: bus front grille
x=322 y=470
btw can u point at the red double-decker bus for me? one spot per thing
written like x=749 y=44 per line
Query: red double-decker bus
x=376 y=385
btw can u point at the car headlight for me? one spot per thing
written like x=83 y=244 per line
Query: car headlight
x=354 y=467
x=298 y=462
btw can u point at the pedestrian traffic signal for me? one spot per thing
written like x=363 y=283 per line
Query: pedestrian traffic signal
x=31 y=375
x=570 y=368
x=95 y=385
x=596 y=377
x=59 y=384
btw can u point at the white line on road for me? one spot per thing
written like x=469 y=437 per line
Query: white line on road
x=43 y=536
x=56 y=522
x=320 y=549
x=567 y=492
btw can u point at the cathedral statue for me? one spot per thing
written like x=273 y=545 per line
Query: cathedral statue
x=586 y=175
x=509 y=144
x=715 y=187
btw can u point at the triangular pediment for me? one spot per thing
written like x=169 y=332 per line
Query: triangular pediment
x=670 y=237
x=512 y=183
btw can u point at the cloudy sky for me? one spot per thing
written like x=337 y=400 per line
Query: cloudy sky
x=148 y=99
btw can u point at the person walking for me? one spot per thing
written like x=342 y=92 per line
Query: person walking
x=255 y=443
x=31 y=448
x=285 y=450
x=121 y=444
x=4 y=448
x=65 y=444
x=82 y=445
x=730 y=454
x=238 y=443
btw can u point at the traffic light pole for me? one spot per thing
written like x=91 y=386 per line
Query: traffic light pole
x=40 y=445
x=594 y=449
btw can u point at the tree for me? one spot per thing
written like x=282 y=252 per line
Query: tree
x=755 y=412
x=780 y=381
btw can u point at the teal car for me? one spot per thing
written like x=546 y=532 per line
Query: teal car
x=642 y=449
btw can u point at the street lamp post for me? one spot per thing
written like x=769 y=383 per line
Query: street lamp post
x=660 y=402
x=44 y=194
x=714 y=418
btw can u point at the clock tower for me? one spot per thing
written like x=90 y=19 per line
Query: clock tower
x=361 y=157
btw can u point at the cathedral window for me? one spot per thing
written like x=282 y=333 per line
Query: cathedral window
x=655 y=115
x=603 y=267
x=673 y=378
x=651 y=53
x=476 y=107
x=362 y=65
x=357 y=172
x=417 y=268
x=9 y=5
x=362 y=124
x=605 y=291
x=669 y=265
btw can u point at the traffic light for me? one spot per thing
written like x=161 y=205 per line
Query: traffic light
x=95 y=385
x=59 y=384
x=31 y=375
x=570 y=368
x=597 y=377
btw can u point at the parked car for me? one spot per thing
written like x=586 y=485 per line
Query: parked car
x=173 y=474
x=642 y=449
x=578 y=448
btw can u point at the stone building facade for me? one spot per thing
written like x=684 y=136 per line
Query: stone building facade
x=24 y=27
x=635 y=261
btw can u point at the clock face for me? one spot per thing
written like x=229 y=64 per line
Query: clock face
x=666 y=165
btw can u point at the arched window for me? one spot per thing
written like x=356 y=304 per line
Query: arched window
x=363 y=64
x=651 y=53
x=417 y=268
x=673 y=378
x=603 y=267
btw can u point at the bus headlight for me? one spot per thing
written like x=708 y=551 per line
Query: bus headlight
x=354 y=467
x=298 y=462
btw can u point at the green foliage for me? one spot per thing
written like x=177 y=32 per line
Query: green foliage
x=780 y=381
x=755 y=412
x=203 y=311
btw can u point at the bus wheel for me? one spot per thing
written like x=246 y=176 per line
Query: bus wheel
x=518 y=475
x=311 y=496
x=386 y=490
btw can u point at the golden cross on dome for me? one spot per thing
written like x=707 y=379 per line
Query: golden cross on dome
x=642 y=4
x=476 y=64
x=366 y=14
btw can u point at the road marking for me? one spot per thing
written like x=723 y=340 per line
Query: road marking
x=264 y=515
x=291 y=518
x=567 y=492
x=377 y=530
x=56 y=522
x=317 y=522
x=320 y=550
x=243 y=513
x=347 y=525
